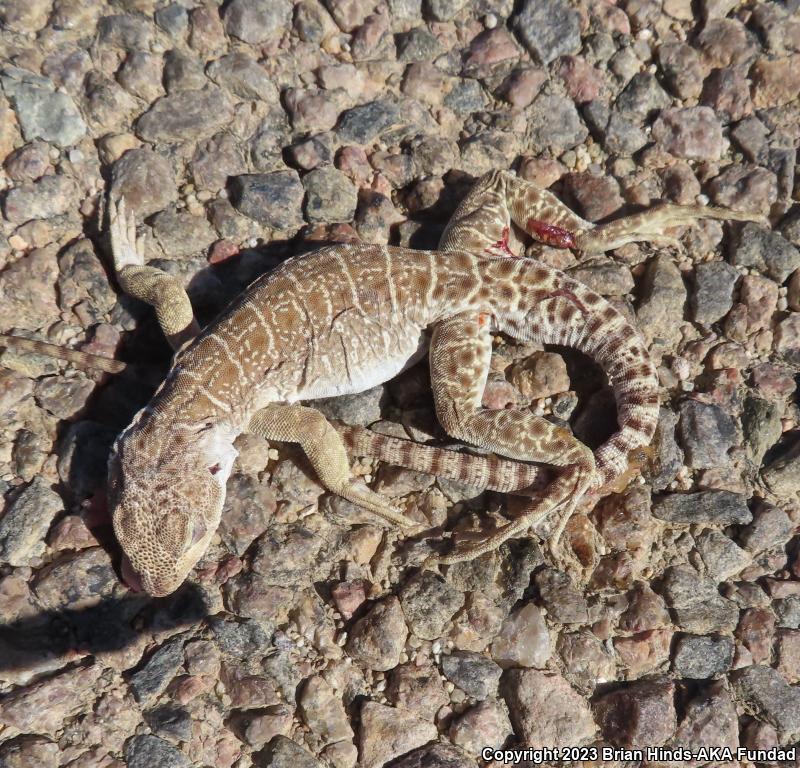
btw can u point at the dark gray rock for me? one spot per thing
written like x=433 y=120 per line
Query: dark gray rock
x=765 y=250
x=185 y=116
x=173 y=19
x=667 y=457
x=782 y=474
x=170 y=722
x=555 y=124
x=716 y=507
x=362 y=408
x=435 y=756
x=443 y=10
x=125 y=30
x=707 y=434
x=712 y=295
x=148 y=751
x=182 y=72
x=363 y=123
x=157 y=673
x=76 y=580
x=417 y=44
x=243 y=76
x=285 y=555
x=429 y=602
x=466 y=97
x=330 y=196
x=42 y=112
x=623 y=135
x=45 y=198
x=282 y=752
x=274 y=199
x=787 y=612
x=254 y=21
x=472 y=672
x=771 y=527
x=699 y=657
x=549 y=29
x=721 y=556
x=761 y=425
x=642 y=97
x=763 y=691
x=751 y=135
x=240 y=640
x=25 y=522
x=696 y=605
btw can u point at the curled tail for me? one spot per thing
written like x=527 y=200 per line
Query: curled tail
x=565 y=312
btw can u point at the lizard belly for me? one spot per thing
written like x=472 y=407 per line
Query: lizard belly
x=348 y=363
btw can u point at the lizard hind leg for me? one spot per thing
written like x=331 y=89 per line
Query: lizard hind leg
x=324 y=448
x=459 y=360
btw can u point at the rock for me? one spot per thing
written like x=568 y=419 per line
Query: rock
x=185 y=116
x=712 y=297
x=586 y=662
x=702 y=657
x=546 y=711
x=418 y=44
x=776 y=82
x=386 y=733
x=749 y=190
x=25 y=523
x=715 y=507
x=771 y=698
x=323 y=712
x=254 y=21
x=472 y=672
x=363 y=123
x=667 y=457
x=771 y=527
x=44 y=706
x=584 y=82
x=756 y=631
x=639 y=714
x=46 y=198
x=682 y=68
x=788 y=652
x=436 y=755
x=727 y=92
x=767 y=251
x=282 y=752
x=710 y=720
x=244 y=77
x=645 y=611
x=249 y=507
x=663 y=299
x=565 y=604
x=349 y=14
x=377 y=638
x=549 y=29
x=523 y=640
x=761 y=425
x=157 y=673
x=707 y=434
x=429 y=603
x=554 y=123
x=42 y=112
x=312 y=22
x=693 y=133
x=486 y=724
x=725 y=43
x=285 y=555
x=642 y=97
x=173 y=19
x=76 y=580
x=330 y=196
x=29 y=752
x=596 y=197
x=465 y=97
x=522 y=86
x=273 y=199
x=541 y=375
x=721 y=556
x=420 y=689
x=170 y=722
x=180 y=234
x=146 y=181
x=148 y=751
x=697 y=606
x=241 y=640
x=783 y=474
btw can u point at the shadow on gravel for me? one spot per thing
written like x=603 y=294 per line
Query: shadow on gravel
x=111 y=625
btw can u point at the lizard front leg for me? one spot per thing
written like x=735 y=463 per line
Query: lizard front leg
x=459 y=361
x=325 y=450
x=154 y=286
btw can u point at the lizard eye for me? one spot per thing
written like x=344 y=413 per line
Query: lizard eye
x=198 y=532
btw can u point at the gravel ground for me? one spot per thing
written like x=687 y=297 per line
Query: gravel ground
x=245 y=132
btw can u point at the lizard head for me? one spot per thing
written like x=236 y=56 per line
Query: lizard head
x=166 y=502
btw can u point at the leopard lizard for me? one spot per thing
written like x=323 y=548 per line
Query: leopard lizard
x=349 y=317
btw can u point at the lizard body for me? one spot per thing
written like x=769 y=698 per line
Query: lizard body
x=349 y=317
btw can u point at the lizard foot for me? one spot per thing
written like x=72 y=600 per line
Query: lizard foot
x=126 y=249
x=375 y=503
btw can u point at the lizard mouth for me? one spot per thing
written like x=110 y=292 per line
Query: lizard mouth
x=130 y=577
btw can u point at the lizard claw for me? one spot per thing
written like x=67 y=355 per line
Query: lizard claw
x=126 y=250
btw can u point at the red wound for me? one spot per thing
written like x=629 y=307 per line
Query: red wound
x=502 y=245
x=550 y=234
